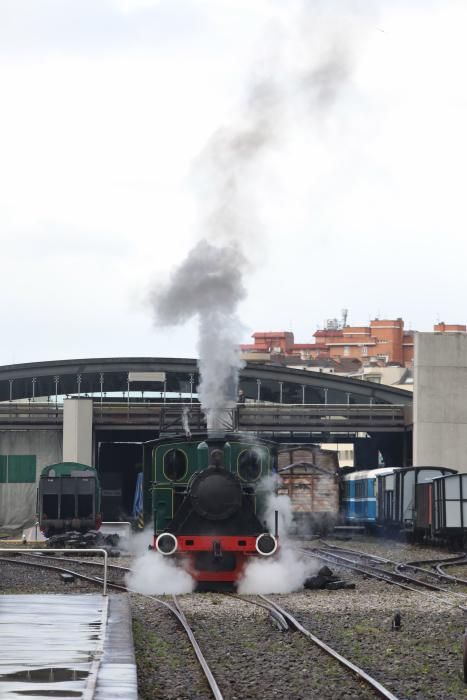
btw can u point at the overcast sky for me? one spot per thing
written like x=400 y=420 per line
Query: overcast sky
x=106 y=106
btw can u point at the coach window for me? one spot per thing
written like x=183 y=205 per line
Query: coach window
x=175 y=465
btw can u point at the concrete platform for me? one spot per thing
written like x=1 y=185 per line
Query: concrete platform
x=63 y=646
x=116 y=677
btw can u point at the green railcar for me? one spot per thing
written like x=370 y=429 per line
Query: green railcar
x=68 y=498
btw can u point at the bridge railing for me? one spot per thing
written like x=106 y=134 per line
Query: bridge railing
x=320 y=417
x=31 y=411
x=175 y=417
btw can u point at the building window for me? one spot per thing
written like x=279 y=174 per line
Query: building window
x=346 y=350
x=364 y=350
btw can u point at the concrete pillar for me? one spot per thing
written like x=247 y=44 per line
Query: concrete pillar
x=440 y=400
x=77 y=431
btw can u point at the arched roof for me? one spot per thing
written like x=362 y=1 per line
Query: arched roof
x=265 y=381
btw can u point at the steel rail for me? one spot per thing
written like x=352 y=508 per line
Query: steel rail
x=392 y=574
x=416 y=566
x=355 y=567
x=23 y=550
x=174 y=610
x=81 y=562
x=21 y=562
x=179 y=614
x=385 y=577
x=377 y=687
x=204 y=665
x=456 y=579
x=280 y=619
x=399 y=566
x=349 y=550
x=448 y=560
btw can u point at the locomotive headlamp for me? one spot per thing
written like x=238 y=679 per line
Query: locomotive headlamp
x=166 y=543
x=266 y=544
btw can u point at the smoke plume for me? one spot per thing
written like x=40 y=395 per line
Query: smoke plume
x=209 y=283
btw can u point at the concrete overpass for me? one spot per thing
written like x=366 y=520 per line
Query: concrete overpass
x=102 y=377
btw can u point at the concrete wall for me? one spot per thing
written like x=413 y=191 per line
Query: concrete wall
x=74 y=443
x=440 y=400
x=18 y=501
x=77 y=431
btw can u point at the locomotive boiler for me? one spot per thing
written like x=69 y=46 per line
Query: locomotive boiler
x=209 y=504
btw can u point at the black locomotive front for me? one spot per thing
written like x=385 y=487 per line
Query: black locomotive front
x=217 y=519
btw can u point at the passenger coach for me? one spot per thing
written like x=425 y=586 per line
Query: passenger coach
x=398 y=498
x=448 y=504
x=360 y=496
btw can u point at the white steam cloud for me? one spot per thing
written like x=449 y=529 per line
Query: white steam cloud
x=151 y=572
x=137 y=543
x=154 y=574
x=186 y=421
x=286 y=572
x=209 y=284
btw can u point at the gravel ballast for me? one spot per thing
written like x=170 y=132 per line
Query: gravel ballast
x=251 y=658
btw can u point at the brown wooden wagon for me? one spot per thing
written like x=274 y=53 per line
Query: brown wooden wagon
x=309 y=476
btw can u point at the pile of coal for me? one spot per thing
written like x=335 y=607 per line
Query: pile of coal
x=326 y=579
x=89 y=540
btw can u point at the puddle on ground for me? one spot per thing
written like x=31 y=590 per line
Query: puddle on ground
x=59 y=668
x=50 y=693
x=45 y=675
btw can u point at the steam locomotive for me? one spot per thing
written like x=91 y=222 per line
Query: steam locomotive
x=208 y=505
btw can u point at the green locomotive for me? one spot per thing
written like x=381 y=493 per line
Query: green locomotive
x=209 y=503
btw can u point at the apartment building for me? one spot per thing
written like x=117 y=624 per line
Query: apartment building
x=383 y=342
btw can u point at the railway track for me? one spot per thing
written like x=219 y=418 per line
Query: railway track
x=417 y=566
x=293 y=623
x=283 y=619
x=372 y=566
x=441 y=564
